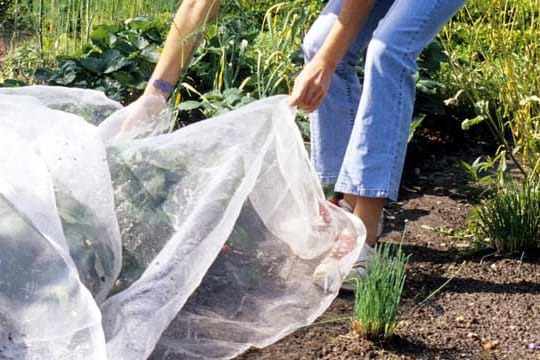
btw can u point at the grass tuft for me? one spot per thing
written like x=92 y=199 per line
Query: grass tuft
x=377 y=297
x=510 y=221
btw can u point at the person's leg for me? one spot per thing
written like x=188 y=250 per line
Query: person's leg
x=369 y=209
x=332 y=123
x=373 y=162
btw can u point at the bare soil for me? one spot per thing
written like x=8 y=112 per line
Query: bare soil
x=490 y=305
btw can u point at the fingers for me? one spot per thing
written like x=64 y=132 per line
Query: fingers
x=308 y=98
x=310 y=87
x=312 y=93
x=297 y=95
x=314 y=98
x=315 y=103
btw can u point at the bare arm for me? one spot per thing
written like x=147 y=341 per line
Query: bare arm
x=188 y=22
x=311 y=85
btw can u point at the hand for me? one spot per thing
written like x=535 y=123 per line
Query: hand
x=311 y=85
x=143 y=117
x=143 y=110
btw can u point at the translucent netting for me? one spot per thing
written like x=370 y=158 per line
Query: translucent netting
x=194 y=244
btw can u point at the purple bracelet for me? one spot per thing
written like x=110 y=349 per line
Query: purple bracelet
x=162 y=85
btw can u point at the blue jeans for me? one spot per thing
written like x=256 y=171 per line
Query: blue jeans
x=359 y=133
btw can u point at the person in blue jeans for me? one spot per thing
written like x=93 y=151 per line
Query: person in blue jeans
x=359 y=131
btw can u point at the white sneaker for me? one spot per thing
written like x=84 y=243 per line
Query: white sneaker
x=359 y=269
x=328 y=274
x=367 y=253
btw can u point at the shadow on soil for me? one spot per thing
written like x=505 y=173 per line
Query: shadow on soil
x=466 y=285
x=422 y=254
x=402 y=346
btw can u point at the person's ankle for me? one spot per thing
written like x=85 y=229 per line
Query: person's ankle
x=350 y=199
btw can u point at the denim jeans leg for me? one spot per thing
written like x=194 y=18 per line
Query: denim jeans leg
x=333 y=121
x=376 y=151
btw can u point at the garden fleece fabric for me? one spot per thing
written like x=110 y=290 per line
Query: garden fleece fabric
x=140 y=244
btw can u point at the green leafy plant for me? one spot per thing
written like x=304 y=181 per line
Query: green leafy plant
x=20 y=63
x=243 y=59
x=118 y=59
x=219 y=67
x=378 y=295
x=488 y=170
x=5 y=11
x=65 y=26
x=278 y=47
x=510 y=220
x=493 y=72
x=212 y=103
x=430 y=92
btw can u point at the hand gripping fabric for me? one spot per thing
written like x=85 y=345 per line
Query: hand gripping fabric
x=126 y=243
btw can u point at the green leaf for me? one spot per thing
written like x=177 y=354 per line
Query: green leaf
x=141 y=42
x=481 y=107
x=154 y=35
x=431 y=58
x=232 y=95
x=212 y=31
x=93 y=64
x=429 y=86
x=124 y=46
x=468 y=167
x=43 y=74
x=101 y=36
x=189 y=105
x=140 y=23
x=150 y=54
x=124 y=78
x=12 y=83
x=468 y=123
x=115 y=61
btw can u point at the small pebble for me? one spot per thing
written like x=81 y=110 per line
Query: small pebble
x=490 y=345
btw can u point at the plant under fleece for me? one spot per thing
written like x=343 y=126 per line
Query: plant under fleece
x=510 y=221
x=377 y=297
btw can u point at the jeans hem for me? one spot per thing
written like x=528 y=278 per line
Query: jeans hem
x=328 y=179
x=359 y=191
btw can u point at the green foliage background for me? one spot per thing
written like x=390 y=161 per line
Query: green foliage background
x=482 y=69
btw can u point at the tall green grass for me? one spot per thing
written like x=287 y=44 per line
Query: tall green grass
x=66 y=24
x=278 y=45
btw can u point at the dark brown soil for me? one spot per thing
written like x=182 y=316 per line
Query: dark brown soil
x=489 y=309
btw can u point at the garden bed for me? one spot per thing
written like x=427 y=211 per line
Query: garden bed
x=490 y=309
